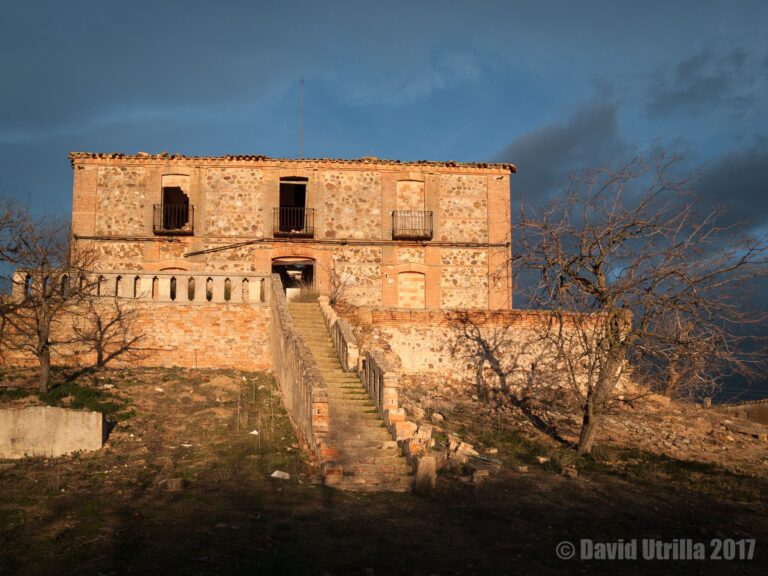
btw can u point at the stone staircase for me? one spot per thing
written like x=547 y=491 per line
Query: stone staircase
x=370 y=459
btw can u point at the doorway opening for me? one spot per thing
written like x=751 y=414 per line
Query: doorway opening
x=297 y=275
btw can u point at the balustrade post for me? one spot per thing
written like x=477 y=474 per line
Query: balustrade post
x=218 y=289
x=144 y=289
x=199 y=288
x=235 y=289
x=164 y=288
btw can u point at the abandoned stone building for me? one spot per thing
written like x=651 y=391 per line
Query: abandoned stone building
x=428 y=235
x=211 y=251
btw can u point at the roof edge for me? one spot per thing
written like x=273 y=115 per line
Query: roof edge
x=74 y=156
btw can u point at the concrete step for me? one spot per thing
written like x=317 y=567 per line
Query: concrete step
x=388 y=469
x=343 y=441
x=356 y=423
x=353 y=411
x=352 y=458
x=374 y=483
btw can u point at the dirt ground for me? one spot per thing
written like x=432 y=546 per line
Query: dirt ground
x=183 y=487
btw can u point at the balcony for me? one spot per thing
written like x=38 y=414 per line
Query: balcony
x=173 y=219
x=293 y=222
x=412 y=225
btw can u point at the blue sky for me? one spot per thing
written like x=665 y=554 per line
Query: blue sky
x=550 y=86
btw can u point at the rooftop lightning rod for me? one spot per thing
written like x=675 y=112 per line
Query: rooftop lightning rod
x=301 y=117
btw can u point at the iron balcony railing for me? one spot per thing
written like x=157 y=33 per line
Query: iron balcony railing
x=173 y=219
x=412 y=225
x=294 y=222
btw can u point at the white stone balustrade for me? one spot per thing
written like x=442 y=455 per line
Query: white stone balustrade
x=157 y=286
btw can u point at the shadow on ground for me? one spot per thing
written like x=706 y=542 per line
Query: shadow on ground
x=111 y=513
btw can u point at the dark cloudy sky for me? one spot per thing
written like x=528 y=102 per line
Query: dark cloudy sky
x=551 y=86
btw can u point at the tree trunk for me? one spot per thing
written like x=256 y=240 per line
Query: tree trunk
x=589 y=425
x=45 y=370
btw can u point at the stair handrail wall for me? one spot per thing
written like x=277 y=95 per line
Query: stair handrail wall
x=302 y=386
x=379 y=375
x=343 y=338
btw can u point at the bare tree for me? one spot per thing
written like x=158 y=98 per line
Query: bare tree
x=52 y=277
x=636 y=277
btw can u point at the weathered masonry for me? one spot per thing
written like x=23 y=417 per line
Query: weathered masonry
x=209 y=252
x=425 y=235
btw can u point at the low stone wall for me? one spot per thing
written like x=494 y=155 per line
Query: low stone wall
x=163 y=319
x=432 y=345
x=303 y=389
x=446 y=355
x=49 y=431
x=754 y=411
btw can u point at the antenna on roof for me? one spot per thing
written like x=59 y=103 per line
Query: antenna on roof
x=301 y=117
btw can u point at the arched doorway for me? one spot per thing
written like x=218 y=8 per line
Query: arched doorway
x=297 y=275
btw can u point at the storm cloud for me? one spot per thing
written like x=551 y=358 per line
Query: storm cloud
x=738 y=181
x=707 y=79
x=546 y=157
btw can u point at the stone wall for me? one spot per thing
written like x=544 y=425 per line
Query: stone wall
x=447 y=354
x=464 y=278
x=234 y=203
x=432 y=345
x=463 y=208
x=352 y=204
x=122 y=202
x=119 y=255
x=191 y=335
x=359 y=268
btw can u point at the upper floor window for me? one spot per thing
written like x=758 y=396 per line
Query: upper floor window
x=176 y=214
x=292 y=217
x=411 y=221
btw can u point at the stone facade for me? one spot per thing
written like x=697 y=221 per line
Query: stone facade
x=460 y=257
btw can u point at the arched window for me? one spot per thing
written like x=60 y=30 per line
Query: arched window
x=227 y=290
x=155 y=288
x=173 y=288
x=136 y=286
x=118 y=281
x=191 y=289
x=209 y=289
x=65 y=285
x=246 y=290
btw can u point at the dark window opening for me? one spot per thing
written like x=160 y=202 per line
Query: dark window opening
x=293 y=218
x=173 y=288
x=175 y=215
x=191 y=289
